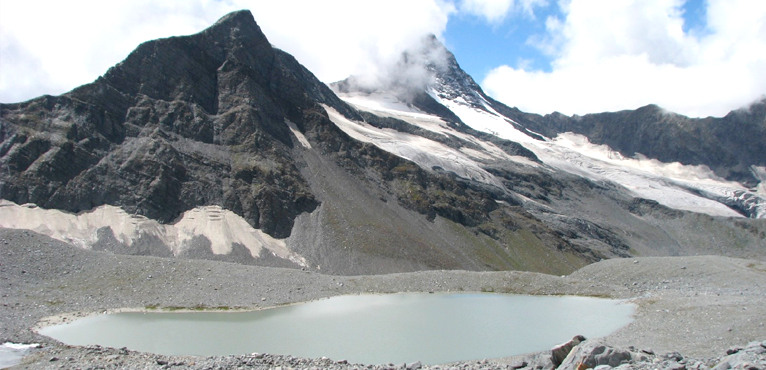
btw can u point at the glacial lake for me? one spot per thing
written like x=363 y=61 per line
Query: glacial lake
x=370 y=329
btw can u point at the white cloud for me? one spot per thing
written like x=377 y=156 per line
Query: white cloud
x=58 y=45
x=51 y=47
x=611 y=55
x=495 y=11
x=337 y=38
x=607 y=54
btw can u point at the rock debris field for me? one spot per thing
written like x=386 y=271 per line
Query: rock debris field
x=704 y=312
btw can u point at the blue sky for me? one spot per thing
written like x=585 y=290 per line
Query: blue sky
x=695 y=57
x=480 y=46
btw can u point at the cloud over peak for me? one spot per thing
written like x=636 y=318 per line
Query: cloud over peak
x=591 y=55
x=611 y=55
x=495 y=11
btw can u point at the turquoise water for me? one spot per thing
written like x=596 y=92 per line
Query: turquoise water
x=373 y=329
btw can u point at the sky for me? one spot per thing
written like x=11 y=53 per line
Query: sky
x=695 y=57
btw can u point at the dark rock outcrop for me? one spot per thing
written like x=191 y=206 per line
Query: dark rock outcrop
x=589 y=354
x=182 y=122
x=202 y=120
x=729 y=145
x=560 y=352
x=595 y=354
x=222 y=118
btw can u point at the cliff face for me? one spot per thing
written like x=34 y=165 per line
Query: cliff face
x=729 y=145
x=182 y=122
x=223 y=119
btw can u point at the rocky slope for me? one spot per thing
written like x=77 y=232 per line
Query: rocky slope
x=698 y=306
x=595 y=201
x=219 y=146
x=182 y=122
x=729 y=145
x=221 y=118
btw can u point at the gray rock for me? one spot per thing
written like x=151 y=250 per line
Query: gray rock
x=672 y=365
x=741 y=360
x=561 y=351
x=518 y=364
x=414 y=366
x=674 y=356
x=541 y=361
x=593 y=353
x=755 y=348
x=733 y=350
x=650 y=131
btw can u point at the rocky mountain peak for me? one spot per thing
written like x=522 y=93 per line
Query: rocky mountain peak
x=426 y=65
x=451 y=81
x=237 y=20
x=186 y=68
x=182 y=122
x=425 y=70
x=222 y=121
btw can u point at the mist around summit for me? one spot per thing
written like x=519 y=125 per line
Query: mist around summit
x=215 y=172
x=412 y=167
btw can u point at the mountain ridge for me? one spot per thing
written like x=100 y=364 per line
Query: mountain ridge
x=222 y=119
x=670 y=137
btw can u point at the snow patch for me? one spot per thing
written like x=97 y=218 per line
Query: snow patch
x=12 y=353
x=691 y=188
x=387 y=105
x=220 y=226
x=673 y=170
x=424 y=152
x=485 y=121
x=760 y=174
x=298 y=134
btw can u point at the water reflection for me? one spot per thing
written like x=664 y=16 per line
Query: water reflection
x=432 y=328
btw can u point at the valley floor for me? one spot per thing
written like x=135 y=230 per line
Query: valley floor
x=698 y=306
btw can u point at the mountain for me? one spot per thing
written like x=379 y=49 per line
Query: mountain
x=730 y=146
x=219 y=146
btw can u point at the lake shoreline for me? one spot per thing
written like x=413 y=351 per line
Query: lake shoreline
x=363 y=328
x=699 y=306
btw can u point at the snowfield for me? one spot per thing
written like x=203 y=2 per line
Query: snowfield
x=683 y=187
x=221 y=227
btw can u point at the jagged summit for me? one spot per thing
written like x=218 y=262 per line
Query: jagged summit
x=234 y=20
x=426 y=70
x=167 y=69
x=649 y=132
x=170 y=128
x=218 y=145
x=198 y=130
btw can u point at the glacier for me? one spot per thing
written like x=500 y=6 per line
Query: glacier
x=675 y=185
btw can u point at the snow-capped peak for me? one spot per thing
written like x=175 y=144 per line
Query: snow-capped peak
x=402 y=96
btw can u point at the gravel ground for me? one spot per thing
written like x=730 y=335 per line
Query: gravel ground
x=698 y=306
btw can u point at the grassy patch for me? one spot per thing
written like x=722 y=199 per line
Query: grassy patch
x=199 y=307
x=652 y=301
x=598 y=295
x=173 y=308
x=756 y=267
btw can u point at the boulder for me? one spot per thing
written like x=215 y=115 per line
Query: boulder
x=560 y=352
x=589 y=354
